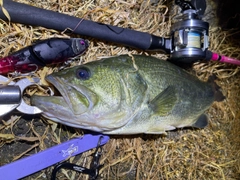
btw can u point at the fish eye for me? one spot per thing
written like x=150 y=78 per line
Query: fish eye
x=83 y=73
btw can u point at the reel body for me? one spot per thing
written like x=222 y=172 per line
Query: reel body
x=189 y=36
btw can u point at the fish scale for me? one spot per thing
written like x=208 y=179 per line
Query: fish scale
x=130 y=96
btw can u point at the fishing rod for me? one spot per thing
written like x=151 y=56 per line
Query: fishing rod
x=188 y=41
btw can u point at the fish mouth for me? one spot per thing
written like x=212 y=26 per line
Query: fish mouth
x=75 y=98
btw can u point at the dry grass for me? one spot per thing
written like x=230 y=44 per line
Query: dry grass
x=211 y=153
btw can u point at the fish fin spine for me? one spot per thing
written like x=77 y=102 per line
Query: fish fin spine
x=164 y=102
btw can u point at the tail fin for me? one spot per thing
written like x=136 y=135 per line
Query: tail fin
x=217 y=90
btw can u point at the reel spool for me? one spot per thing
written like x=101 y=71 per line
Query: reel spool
x=189 y=37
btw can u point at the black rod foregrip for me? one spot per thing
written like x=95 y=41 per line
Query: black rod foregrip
x=30 y=15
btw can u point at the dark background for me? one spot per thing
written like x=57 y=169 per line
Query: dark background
x=228 y=12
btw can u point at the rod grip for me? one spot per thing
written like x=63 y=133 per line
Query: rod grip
x=30 y=15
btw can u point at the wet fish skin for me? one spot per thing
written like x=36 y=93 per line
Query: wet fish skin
x=128 y=95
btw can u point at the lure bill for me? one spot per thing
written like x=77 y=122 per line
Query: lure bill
x=42 y=53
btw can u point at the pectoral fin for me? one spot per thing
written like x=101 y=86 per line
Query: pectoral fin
x=201 y=122
x=163 y=103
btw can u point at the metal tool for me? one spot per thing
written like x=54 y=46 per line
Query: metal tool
x=34 y=163
x=94 y=168
x=11 y=96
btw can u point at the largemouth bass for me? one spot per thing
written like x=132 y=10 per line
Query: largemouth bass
x=128 y=95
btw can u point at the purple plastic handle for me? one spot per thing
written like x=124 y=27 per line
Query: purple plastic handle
x=53 y=155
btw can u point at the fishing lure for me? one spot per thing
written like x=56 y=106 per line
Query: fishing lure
x=45 y=52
